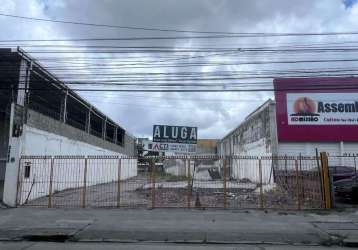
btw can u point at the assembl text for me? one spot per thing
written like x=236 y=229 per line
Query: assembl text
x=337 y=107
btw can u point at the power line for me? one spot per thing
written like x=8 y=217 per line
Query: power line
x=313 y=87
x=247 y=34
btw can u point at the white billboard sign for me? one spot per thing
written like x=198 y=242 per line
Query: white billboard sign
x=322 y=108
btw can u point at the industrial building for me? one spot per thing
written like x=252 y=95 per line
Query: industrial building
x=40 y=115
x=276 y=129
x=308 y=116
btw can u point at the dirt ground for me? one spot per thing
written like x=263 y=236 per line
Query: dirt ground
x=174 y=192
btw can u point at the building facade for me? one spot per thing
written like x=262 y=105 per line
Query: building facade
x=40 y=115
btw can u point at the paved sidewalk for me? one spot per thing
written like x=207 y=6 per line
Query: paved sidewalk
x=148 y=246
x=178 y=226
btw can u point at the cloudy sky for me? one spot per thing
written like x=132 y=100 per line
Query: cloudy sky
x=214 y=113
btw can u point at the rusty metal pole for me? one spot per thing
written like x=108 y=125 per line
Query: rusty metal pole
x=50 y=185
x=261 y=188
x=225 y=187
x=326 y=181
x=297 y=186
x=119 y=182
x=152 y=162
x=84 y=185
x=189 y=183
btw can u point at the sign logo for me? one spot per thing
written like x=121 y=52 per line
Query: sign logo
x=304 y=106
x=304 y=110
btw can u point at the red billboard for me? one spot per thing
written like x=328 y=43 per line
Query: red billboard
x=317 y=109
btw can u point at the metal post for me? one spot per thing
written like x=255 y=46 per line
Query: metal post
x=64 y=108
x=18 y=189
x=319 y=175
x=88 y=120
x=119 y=182
x=50 y=185
x=301 y=178
x=297 y=186
x=152 y=162
x=104 y=128
x=355 y=170
x=286 y=172
x=326 y=181
x=261 y=188
x=225 y=188
x=115 y=135
x=84 y=185
x=189 y=183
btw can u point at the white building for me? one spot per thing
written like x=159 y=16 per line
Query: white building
x=40 y=115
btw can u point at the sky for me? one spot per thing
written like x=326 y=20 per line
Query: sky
x=215 y=114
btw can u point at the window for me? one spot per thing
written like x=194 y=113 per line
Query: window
x=27 y=170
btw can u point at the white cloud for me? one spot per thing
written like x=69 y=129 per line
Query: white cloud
x=214 y=118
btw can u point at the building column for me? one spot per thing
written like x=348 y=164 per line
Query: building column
x=88 y=121
x=341 y=149
x=104 y=127
x=15 y=133
x=115 y=135
x=63 y=113
x=24 y=81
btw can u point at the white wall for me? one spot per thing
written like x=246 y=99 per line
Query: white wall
x=309 y=149
x=67 y=173
x=177 y=167
x=248 y=167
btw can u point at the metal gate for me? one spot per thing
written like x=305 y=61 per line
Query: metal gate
x=199 y=181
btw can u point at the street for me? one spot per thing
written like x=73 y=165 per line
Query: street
x=146 y=246
x=320 y=228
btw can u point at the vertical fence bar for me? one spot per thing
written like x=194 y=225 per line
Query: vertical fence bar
x=261 y=188
x=50 y=184
x=189 y=183
x=286 y=173
x=18 y=189
x=302 y=187
x=355 y=165
x=225 y=181
x=321 y=188
x=297 y=186
x=152 y=162
x=326 y=180
x=84 y=185
x=119 y=182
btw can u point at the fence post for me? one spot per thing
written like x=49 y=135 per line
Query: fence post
x=261 y=188
x=84 y=185
x=319 y=169
x=18 y=184
x=50 y=185
x=119 y=182
x=152 y=163
x=326 y=181
x=189 y=183
x=297 y=186
x=225 y=180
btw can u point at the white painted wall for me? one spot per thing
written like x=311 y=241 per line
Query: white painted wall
x=248 y=168
x=66 y=174
x=309 y=149
x=178 y=168
x=69 y=173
